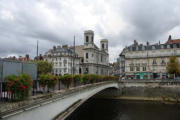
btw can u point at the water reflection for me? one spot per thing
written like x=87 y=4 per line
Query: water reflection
x=103 y=109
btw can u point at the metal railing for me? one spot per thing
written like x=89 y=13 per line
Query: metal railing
x=5 y=95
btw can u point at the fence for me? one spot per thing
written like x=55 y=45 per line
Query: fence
x=16 y=67
x=36 y=89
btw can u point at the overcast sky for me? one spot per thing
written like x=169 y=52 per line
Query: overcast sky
x=55 y=22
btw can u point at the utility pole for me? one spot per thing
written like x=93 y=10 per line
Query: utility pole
x=74 y=56
x=37 y=50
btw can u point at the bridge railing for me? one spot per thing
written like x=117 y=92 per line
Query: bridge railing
x=6 y=95
x=37 y=89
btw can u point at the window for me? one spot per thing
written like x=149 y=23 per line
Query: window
x=131 y=68
x=137 y=68
x=101 y=58
x=92 y=38
x=87 y=39
x=163 y=62
x=154 y=62
x=65 y=61
x=103 y=46
x=87 y=70
x=92 y=55
x=86 y=55
x=144 y=68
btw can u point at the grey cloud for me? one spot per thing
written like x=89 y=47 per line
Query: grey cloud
x=146 y=20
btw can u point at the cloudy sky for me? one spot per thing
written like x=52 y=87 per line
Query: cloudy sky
x=55 y=22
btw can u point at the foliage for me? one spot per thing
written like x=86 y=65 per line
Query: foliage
x=85 y=78
x=66 y=80
x=78 y=78
x=93 y=78
x=48 y=80
x=108 y=78
x=19 y=86
x=173 y=66
x=99 y=78
x=44 y=67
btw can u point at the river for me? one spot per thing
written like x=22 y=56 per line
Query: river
x=108 y=109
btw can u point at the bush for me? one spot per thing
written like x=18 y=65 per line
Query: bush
x=19 y=86
x=93 y=78
x=99 y=78
x=78 y=78
x=85 y=78
x=110 y=78
x=48 y=80
x=66 y=80
x=52 y=81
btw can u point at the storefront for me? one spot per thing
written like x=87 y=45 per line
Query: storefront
x=143 y=75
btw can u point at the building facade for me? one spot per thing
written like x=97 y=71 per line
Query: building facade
x=64 y=60
x=93 y=60
x=88 y=58
x=139 y=61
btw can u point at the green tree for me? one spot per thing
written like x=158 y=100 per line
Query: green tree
x=44 y=67
x=173 y=66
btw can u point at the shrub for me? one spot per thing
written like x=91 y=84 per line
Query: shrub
x=99 y=78
x=51 y=81
x=78 y=78
x=92 y=78
x=19 y=86
x=66 y=80
x=108 y=78
x=48 y=80
x=85 y=78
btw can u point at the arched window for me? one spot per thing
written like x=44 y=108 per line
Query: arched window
x=87 y=39
x=103 y=45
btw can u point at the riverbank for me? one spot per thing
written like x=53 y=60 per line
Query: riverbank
x=157 y=99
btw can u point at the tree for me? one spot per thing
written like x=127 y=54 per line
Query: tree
x=44 y=67
x=173 y=66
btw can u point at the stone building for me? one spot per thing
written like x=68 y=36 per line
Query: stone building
x=115 y=68
x=139 y=61
x=89 y=59
x=93 y=60
x=64 y=60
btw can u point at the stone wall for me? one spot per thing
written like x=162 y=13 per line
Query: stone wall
x=159 y=91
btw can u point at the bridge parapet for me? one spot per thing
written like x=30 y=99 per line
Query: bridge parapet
x=55 y=103
x=160 y=82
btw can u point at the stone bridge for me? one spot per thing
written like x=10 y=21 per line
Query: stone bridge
x=59 y=106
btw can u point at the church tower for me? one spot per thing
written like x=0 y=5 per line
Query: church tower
x=104 y=45
x=88 y=37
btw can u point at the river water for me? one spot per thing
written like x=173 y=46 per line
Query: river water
x=107 y=109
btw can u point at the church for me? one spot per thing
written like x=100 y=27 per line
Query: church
x=93 y=60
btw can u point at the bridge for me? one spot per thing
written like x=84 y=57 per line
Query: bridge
x=58 y=106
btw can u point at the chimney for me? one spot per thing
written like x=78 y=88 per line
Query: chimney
x=27 y=57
